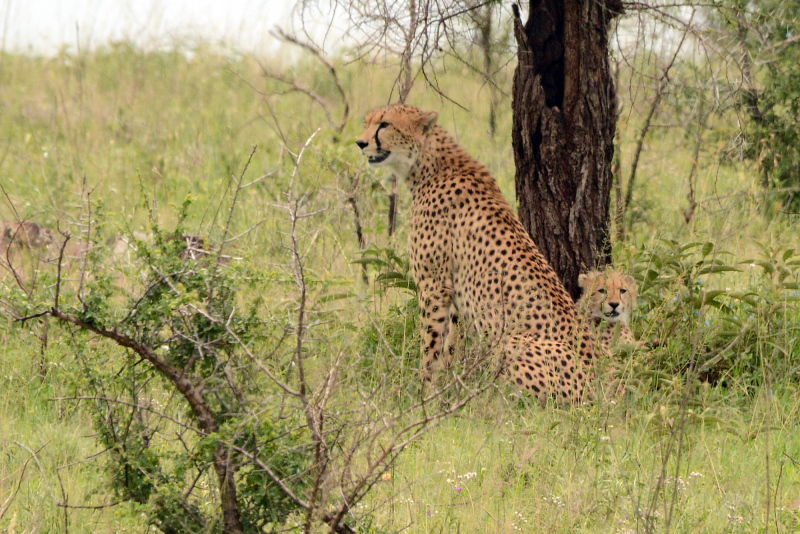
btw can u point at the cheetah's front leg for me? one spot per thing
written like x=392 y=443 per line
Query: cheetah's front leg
x=436 y=311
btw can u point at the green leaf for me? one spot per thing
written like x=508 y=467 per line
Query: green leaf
x=732 y=320
x=693 y=245
x=768 y=267
x=717 y=268
x=397 y=280
x=336 y=296
x=408 y=284
x=370 y=261
x=749 y=297
x=710 y=296
x=386 y=277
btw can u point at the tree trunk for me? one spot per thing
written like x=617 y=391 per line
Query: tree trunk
x=564 y=113
x=223 y=465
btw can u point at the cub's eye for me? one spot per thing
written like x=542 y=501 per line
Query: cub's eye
x=602 y=291
x=622 y=290
x=383 y=125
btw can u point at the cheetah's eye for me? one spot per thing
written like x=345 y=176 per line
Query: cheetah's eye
x=602 y=291
x=622 y=290
x=383 y=125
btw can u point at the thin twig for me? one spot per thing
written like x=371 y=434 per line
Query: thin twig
x=138 y=406
x=10 y=499
x=226 y=228
x=331 y=69
x=663 y=82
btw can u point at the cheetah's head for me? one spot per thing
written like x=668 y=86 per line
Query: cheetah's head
x=394 y=136
x=608 y=295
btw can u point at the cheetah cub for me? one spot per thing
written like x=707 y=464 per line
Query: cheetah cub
x=608 y=299
x=474 y=262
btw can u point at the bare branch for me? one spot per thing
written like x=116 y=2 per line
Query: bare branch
x=316 y=52
x=6 y=505
x=663 y=81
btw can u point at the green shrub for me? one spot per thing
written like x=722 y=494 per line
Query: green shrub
x=720 y=318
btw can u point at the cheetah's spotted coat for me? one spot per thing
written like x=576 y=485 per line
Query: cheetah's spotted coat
x=473 y=260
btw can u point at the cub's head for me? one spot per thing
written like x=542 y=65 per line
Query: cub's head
x=609 y=295
x=394 y=136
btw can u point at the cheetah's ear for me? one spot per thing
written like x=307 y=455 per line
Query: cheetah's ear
x=428 y=120
x=582 y=279
x=631 y=281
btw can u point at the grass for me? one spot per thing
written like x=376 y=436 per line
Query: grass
x=120 y=123
x=543 y=471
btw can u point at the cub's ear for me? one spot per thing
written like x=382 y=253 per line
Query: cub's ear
x=631 y=281
x=582 y=279
x=428 y=120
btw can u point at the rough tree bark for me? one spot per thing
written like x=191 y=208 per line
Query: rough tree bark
x=564 y=113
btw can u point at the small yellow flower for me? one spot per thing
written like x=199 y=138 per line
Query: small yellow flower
x=386 y=476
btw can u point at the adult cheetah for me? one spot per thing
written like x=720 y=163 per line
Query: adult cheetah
x=473 y=261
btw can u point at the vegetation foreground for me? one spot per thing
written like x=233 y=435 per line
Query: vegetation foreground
x=697 y=435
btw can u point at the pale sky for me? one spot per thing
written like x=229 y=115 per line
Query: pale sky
x=44 y=26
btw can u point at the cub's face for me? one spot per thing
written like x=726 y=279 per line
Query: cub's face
x=608 y=295
x=394 y=136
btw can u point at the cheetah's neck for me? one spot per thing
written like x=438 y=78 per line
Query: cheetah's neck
x=440 y=155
